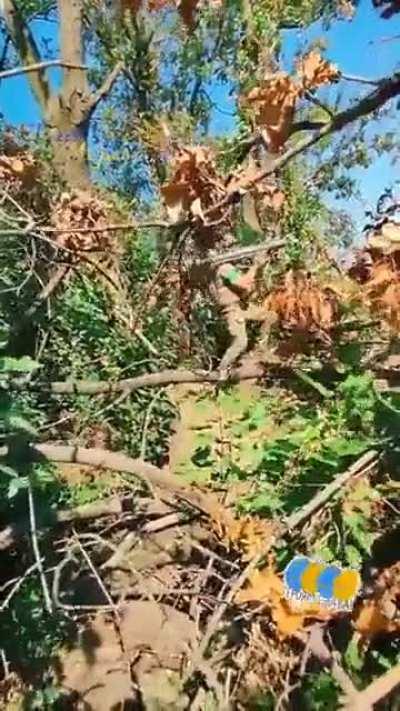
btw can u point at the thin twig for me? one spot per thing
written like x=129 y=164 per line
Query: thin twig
x=100 y=582
x=106 y=87
x=17 y=585
x=361 y=80
x=146 y=422
x=367 y=462
x=36 y=550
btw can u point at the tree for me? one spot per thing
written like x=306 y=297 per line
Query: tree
x=67 y=113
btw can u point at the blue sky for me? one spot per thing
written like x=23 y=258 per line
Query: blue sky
x=359 y=47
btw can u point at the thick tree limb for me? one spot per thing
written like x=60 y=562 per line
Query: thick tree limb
x=71 y=48
x=27 y=48
x=177 y=376
x=10 y=535
x=234 y=255
x=376 y=691
x=164 y=377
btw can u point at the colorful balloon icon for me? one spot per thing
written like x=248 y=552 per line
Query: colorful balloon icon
x=321 y=582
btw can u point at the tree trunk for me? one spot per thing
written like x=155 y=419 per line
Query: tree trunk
x=70 y=157
x=67 y=115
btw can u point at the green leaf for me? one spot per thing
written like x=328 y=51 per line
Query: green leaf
x=18 y=365
x=353 y=656
x=21 y=424
x=232 y=276
x=343 y=447
x=9 y=471
x=16 y=485
x=353 y=556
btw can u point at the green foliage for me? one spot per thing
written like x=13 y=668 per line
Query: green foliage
x=319 y=692
x=39 y=634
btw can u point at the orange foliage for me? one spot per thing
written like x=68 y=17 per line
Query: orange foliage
x=274 y=101
x=302 y=304
x=381 y=613
x=378 y=269
x=82 y=210
x=314 y=71
x=194 y=184
x=248 y=534
x=265 y=586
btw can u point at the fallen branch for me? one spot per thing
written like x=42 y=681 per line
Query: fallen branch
x=363 y=465
x=164 y=377
x=376 y=691
x=149 y=474
x=36 y=550
x=32 y=568
x=254 y=371
x=10 y=535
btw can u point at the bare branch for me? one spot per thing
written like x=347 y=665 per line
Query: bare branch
x=106 y=87
x=376 y=691
x=84 y=230
x=40 y=65
x=361 y=80
x=36 y=550
x=264 y=369
x=116 y=461
x=361 y=466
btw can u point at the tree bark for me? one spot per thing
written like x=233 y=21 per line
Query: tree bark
x=67 y=115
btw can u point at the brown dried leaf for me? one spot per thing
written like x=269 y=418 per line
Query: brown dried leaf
x=248 y=534
x=314 y=71
x=187 y=10
x=274 y=104
x=381 y=613
x=391 y=231
x=267 y=587
x=82 y=210
x=303 y=304
x=194 y=183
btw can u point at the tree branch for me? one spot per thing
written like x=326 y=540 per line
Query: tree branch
x=164 y=377
x=363 y=465
x=172 y=377
x=36 y=67
x=149 y=474
x=106 y=86
x=388 y=89
x=27 y=48
x=307 y=125
x=376 y=691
